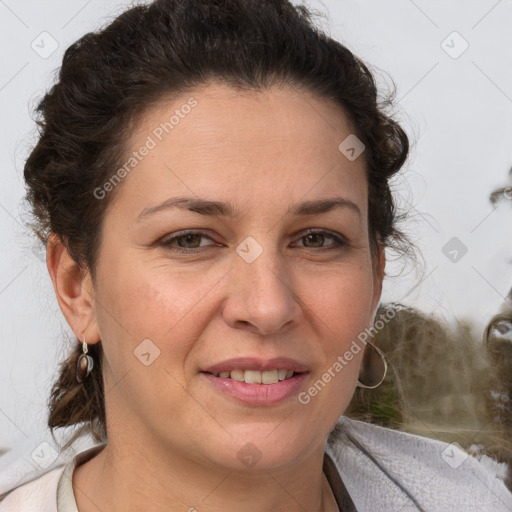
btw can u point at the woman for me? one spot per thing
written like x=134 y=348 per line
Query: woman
x=212 y=183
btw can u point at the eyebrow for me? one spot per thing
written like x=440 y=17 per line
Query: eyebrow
x=225 y=209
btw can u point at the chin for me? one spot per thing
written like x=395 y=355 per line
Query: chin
x=255 y=448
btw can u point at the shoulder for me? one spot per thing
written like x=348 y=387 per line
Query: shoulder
x=47 y=492
x=398 y=470
x=38 y=495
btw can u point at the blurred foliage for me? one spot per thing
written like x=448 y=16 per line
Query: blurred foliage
x=443 y=382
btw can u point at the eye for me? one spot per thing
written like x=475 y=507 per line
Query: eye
x=317 y=238
x=188 y=241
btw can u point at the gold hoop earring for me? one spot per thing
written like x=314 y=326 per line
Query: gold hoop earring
x=84 y=364
x=373 y=368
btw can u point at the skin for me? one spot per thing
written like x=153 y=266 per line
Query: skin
x=263 y=152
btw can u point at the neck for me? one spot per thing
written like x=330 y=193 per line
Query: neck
x=122 y=477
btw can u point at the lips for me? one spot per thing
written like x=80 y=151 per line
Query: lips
x=254 y=394
x=255 y=381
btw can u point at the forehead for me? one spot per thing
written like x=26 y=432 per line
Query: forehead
x=280 y=113
x=265 y=144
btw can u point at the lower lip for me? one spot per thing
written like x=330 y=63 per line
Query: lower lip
x=258 y=394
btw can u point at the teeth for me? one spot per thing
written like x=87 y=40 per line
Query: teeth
x=252 y=377
x=237 y=375
x=269 y=377
x=257 y=377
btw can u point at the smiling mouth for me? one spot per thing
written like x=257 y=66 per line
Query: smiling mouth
x=256 y=376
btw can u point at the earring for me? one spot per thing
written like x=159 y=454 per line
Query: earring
x=373 y=368
x=84 y=364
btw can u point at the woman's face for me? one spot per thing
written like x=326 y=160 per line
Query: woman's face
x=247 y=285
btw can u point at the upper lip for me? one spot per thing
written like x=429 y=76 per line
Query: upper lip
x=255 y=363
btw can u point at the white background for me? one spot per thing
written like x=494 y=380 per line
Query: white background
x=457 y=112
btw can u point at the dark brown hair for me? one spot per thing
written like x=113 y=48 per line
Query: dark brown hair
x=109 y=78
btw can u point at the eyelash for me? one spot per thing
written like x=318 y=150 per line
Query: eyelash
x=339 y=242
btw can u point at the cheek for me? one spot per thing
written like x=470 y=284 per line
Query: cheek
x=139 y=301
x=342 y=311
x=342 y=302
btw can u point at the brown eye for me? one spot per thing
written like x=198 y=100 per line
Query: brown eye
x=189 y=239
x=316 y=239
x=186 y=241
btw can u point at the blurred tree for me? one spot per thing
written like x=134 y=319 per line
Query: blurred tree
x=441 y=383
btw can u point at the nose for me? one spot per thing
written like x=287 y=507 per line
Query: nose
x=261 y=296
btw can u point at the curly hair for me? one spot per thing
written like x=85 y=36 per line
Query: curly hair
x=110 y=77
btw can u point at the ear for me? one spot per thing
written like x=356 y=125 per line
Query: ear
x=74 y=290
x=379 y=265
